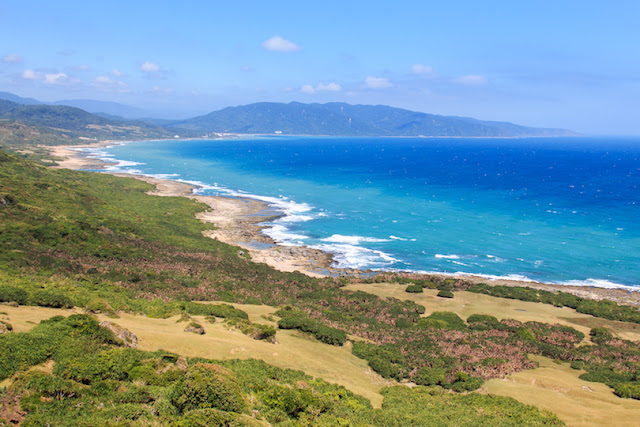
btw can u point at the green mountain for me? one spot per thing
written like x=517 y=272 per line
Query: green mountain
x=70 y=124
x=18 y=99
x=350 y=120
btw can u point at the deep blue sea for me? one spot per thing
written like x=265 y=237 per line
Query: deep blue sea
x=556 y=210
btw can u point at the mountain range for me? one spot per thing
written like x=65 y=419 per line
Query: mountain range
x=295 y=118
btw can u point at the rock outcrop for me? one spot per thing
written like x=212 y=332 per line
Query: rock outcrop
x=126 y=337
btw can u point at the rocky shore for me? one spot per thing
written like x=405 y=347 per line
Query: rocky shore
x=240 y=221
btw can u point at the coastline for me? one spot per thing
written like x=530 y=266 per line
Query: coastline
x=240 y=221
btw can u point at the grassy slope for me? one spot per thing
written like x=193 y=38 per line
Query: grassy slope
x=467 y=303
x=552 y=386
x=557 y=388
x=293 y=350
x=87 y=235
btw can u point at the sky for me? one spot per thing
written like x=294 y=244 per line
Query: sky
x=568 y=64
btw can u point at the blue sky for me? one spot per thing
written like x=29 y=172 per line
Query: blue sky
x=571 y=64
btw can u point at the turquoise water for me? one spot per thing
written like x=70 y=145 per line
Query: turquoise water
x=557 y=210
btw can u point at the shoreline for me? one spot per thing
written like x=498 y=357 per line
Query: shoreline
x=240 y=221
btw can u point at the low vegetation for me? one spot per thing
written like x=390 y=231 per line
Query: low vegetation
x=92 y=381
x=73 y=239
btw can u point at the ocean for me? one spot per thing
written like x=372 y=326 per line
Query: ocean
x=553 y=210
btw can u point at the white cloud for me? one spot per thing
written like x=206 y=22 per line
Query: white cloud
x=57 y=79
x=103 y=79
x=12 y=58
x=421 y=69
x=31 y=75
x=83 y=67
x=471 y=80
x=150 y=67
x=116 y=73
x=160 y=91
x=60 y=79
x=246 y=68
x=307 y=89
x=331 y=87
x=377 y=82
x=107 y=84
x=277 y=43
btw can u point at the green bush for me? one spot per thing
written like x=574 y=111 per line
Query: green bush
x=445 y=294
x=212 y=417
x=414 y=289
x=322 y=332
x=430 y=376
x=525 y=334
x=208 y=386
x=471 y=385
x=482 y=318
x=98 y=305
x=295 y=401
x=217 y=310
x=577 y=365
x=628 y=390
x=427 y=323
x=13 y=294
x=52 y=299
x=452 y=321
x=600 y=335
x=253 y=330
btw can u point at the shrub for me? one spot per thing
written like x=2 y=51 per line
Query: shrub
x=430 y=376
x=462 y=376
x=295 y=401
x=445 y=294
x=477 y=318
x=211 y=417
x=470 y=384
x=52 y=299
x=451 y=321
x=208 y=386
x=600 y=335
x=322 y=332
x=13 y=294
x=577 y=364
x=628 y=390
x=525 y=334
x=254 y=330
x=49 y=386
x=217 y=310
x=414 y=289
x=98 y=305
x=427 y=323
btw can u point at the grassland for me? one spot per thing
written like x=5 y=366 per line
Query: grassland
x=73 y=239
x=557 y=388
x=293 y=349
x=553 y=386
x=467 y=303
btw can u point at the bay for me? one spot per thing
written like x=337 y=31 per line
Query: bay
x=555 y=210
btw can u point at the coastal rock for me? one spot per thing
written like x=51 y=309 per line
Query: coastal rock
x=126 y=337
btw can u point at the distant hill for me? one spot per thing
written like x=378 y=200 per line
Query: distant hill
x=18 y=99
x=295 y=118
x=107 y=109
x=350 y=120
x=71 y=124
x=113 y=109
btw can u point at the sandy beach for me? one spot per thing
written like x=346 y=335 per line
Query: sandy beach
x=239 y=222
